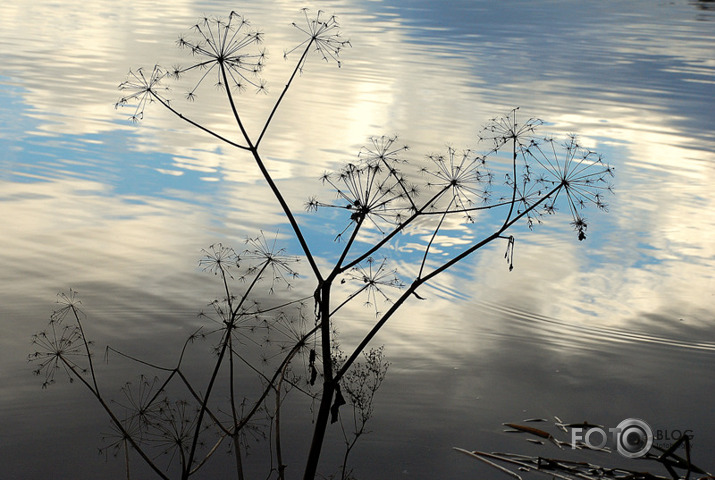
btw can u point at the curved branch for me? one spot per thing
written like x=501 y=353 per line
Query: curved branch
x=269 y=388
x=434 y=235
x=198 y=125
x=514 y=189
x=288 y=213
x=116 y=422
x=418 y=282
x=397 y=230
x=233 y=107
x=285 y=90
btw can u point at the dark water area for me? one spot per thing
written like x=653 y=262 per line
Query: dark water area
x=619 y=326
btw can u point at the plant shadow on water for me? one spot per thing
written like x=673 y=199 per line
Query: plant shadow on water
x=174 y=420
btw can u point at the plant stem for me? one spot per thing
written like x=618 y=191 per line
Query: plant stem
x=353 y=236
x=514 y=189
x=285 y=89
x=116 y=421
x=288 y=213
x=198 y=125
x=279 y=451
x=214 y=375
x=397 y=230
x=321 y=421
x=234 y=413
x=434 y=235
x=233 y=107
x=419 y=281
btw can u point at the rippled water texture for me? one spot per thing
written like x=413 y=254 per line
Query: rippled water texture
x=620 y=325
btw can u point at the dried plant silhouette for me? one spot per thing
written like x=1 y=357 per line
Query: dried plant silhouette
x=175 y=424
x=520 y=466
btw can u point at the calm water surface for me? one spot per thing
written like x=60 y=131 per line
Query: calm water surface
x=618 y=326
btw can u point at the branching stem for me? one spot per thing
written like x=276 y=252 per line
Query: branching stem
x=198 y=125
x=419 y=281
x=285 y=89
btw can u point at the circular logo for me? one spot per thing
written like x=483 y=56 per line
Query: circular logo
x=634 y=438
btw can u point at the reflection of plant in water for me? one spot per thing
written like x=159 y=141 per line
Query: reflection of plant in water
x=176 y=424
x=360 y=385
x=174 y=431
x=60 y=346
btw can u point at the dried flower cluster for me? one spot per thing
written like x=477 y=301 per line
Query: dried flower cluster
x=175 y=423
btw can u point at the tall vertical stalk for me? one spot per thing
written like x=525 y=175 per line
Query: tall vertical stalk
x=375 y=197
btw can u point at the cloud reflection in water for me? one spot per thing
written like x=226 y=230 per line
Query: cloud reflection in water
x=90 y=201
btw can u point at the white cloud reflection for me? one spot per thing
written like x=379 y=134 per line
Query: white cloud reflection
x=389 y=81
x=631 y=86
